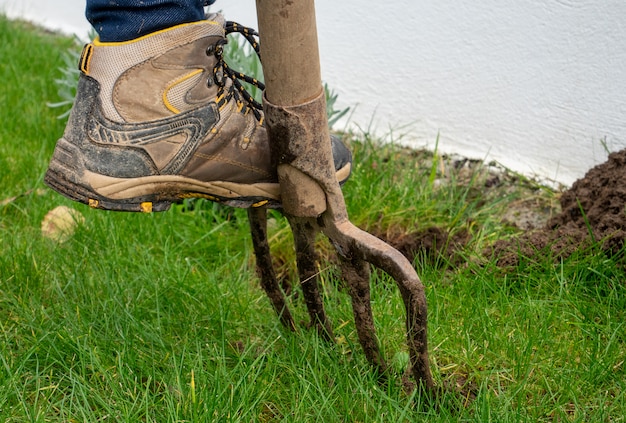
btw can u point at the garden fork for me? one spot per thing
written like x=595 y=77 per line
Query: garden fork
x=295 y=112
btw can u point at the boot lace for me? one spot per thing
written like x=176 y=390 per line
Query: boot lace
x=222 y=72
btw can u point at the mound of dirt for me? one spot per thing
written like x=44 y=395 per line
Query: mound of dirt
x=592 y=211
x=429 y=244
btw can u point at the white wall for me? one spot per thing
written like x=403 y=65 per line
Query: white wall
x=537 y=85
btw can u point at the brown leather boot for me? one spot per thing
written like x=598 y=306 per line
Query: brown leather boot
x=158 y=119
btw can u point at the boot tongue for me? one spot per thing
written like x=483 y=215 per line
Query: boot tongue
x=216 y=17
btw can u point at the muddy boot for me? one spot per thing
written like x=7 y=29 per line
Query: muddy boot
x=159 y=119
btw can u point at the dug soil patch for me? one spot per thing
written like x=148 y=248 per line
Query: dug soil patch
x=592 y=213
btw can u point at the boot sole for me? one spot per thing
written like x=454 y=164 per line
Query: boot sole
x=69 y=177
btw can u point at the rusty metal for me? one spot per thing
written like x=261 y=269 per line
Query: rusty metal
x=356 y=272
x=295 y=112
x=306 y=258
x=265 y=269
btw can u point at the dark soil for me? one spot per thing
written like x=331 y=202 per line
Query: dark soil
x=430 y=244
x=591 y=213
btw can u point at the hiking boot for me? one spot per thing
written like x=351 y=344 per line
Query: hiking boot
x=162 y=118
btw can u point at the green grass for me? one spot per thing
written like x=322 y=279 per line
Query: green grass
x=160 y=317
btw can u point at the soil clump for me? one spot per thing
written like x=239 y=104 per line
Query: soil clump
x=592 y=214
x=589 y=214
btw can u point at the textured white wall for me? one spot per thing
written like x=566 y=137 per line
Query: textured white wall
x=537 y=85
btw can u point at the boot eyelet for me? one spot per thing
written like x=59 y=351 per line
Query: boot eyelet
x=210 y=50
x=218 y=77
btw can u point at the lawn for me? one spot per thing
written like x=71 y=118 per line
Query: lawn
x=160 y=317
